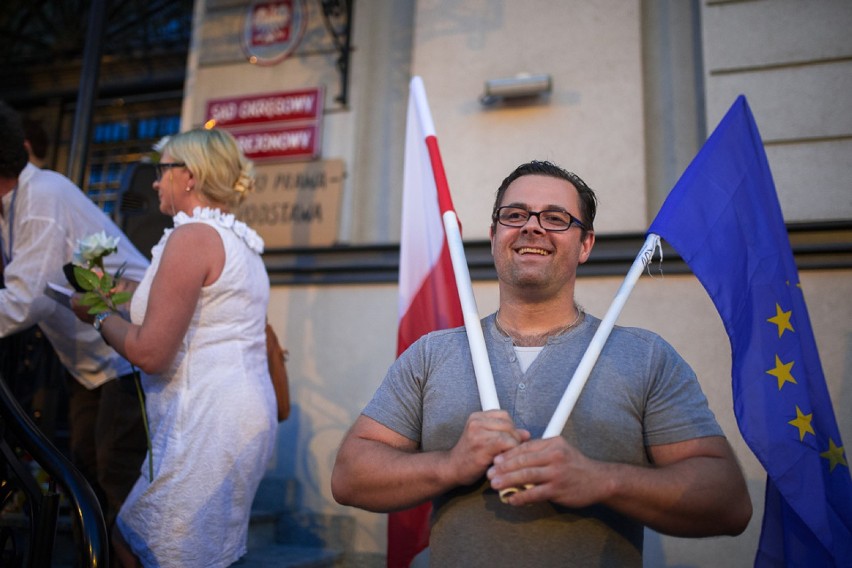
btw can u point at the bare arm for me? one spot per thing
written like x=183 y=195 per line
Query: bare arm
x=379 y=470
x=193 y=257
x=694 y=488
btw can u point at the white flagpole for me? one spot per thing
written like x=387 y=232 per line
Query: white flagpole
x=473 y=327
x=593 y=351
x=475 y=338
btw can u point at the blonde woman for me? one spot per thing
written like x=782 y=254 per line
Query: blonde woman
x=197 y=327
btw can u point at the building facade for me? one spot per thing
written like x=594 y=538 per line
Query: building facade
x=636 y=87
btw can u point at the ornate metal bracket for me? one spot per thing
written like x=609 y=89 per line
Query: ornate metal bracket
x=337 y=15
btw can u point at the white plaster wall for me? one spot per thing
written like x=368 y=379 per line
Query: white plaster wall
x=341 y=340
x=592 y=123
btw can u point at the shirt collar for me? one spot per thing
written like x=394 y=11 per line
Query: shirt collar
x=27 y=173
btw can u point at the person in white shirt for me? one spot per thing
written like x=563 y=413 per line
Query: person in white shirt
x=42 y=216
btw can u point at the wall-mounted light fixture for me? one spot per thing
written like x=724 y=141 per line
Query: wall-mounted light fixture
x=520 y=86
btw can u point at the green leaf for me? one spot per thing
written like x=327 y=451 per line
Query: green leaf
x=98 y=307
x=106 y=283
x=87 y=279
x=90 y=299
x=121 y=297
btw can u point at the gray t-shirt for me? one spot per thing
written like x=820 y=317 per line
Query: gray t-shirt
x=641 y=393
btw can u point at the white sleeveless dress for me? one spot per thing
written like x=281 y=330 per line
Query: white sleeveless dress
x=212 y=415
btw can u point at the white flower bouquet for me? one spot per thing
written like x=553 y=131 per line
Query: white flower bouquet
x=98 y=285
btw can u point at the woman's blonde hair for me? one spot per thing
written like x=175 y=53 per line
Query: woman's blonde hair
x=223 y=174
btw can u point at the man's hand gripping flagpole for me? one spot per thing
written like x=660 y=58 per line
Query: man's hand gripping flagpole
x=476 y=340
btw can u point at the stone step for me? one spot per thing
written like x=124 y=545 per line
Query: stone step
x=280 y=534
x=289 y=556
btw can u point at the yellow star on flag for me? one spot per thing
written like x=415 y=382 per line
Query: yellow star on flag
x=782 y=320
x=803 y=423
x=782 y=372
x=834 y=455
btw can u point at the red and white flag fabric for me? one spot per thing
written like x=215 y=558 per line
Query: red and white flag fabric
x=428 y=298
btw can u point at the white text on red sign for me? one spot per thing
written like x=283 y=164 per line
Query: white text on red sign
x=274 y=107
x=290 y=143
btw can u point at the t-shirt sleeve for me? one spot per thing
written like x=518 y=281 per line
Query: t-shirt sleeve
x=676 y=409
x=398 y=402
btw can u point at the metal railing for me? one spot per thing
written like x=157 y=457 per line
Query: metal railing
x=32 y=542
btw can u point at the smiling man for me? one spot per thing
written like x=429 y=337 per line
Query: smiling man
x=641 y=448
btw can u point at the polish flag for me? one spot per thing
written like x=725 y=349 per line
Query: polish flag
x=428 y=297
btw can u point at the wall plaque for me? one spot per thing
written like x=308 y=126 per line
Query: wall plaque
x=273 y=29
x=296 y=204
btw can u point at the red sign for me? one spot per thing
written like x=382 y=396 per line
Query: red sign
x=290 y=143
x=287 y=106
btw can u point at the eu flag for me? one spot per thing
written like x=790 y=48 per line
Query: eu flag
x=724 y=219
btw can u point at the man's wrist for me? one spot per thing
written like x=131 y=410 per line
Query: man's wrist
x=99 y=320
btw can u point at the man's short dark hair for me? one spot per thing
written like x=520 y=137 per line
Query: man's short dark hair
x=13 y=155
x=588 y=201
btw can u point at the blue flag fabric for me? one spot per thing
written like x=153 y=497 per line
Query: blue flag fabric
x=724 y=219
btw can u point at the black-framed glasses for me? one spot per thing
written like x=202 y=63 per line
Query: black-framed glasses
x=549 y=219
x=161 y=167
